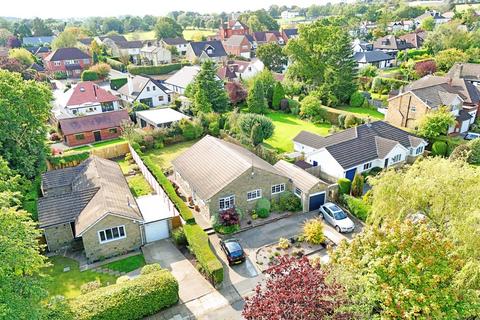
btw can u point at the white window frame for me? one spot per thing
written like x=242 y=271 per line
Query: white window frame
x=254 y=194
x=111 y=230
x=280 y=187
x=394 y=158
x=419 y=150
x=229 y=199
x=367 y=166
x=298 y=192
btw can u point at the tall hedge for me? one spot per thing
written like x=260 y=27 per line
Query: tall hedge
x=89 y=75
x=116 y=65
x=133 y=299
x=154 y=70
x=199 y=244
x=344 y=185
x=116 y=84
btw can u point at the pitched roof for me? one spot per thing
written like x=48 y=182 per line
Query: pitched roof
x=114 y=38
x=88 y=92
x=235 y=40
x=361 y=144
x=67 y=54
x=93 y=122
x=174 y=41
x=138 y=83
x=85 y=41
x=390 y=42
x=97 y=188
x=37 y=41
x=290 y=33
x=129 y=44
x=468 y=71
x=371 y=56
x=211 y=164
x=183 y=77
x=463 y=115
x=413 y=39
x=201 y=47
x=35 y=66
x=301 y=178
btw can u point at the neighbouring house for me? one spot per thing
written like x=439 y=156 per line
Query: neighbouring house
x=312 y=191
x=82 y=130
x=88 y=98
x=262 y=37
x=361 y=46
x=114 y=38
x=378 y=59
x=85 y=42
x=289 y=34
x=437 y=17
x=418 y=98
x=40 y=52
x=35 y=66
x=237 y=70
x=37 y=41
x=238 y=45
x=359 y=149
x=155 y=55
x=206 y=50
x=71 y=61
x=415 y=39
x=390 y=44
x=404 y=25
x=179 y=81
x=179 y=43
x=231 y=28
x=158 y=118
x=124 y=48
x=366 y=27
x=146 y=90
x=287 y=14
x=220 y=175
x=467 y=71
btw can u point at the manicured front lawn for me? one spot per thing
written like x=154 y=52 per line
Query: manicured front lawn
x=360 y=111
x=127 y=265
x=94 y=145
x=163 y=157
x=138 y=185
x=68 y=283
x=287 y=126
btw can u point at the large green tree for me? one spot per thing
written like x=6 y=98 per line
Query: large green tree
x=448 y=35
x=405 y=270
x=447 y=58
x=255 y=127
x=167 y=28
x=207 y=91
x=436 y=123
x=40 y=29
x=25 y=109
x=256 y=101
x=322 y=59
x=272 y=56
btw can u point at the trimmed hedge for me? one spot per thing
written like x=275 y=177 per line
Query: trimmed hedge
x=154 y=70
x=199 y=245
x=134 y=299
x=116 y=84
x=116 y=65
x=75 y=158
x=439 y=148
x=89 y=75
x=167 y=186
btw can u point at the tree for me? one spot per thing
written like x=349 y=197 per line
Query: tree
x=20 y=282
x=422 y=68
x=112 y=24
x=322 y=59
x=23 y=130
x=4 y=35
x=446 y=36
x=411 y=273
x=40 y=29
x=278 y=95
x=474 y=156
x=68 y=38
x=428 y=24
x=13 y=42
x=256 y=98
x=368 y=71
x=311 y=107
x=236 y=92
x=255 y=127
x=436 y=123
x=259 y=20
x=167 y=28
x=296 y=289
x=12 y=186
x=207 y=91
x=102 y=69
x=22 y=55
x=268 y=82
x=447 y=58
x=272 y=56
x=357 y=99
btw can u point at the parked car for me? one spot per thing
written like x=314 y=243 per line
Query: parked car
x=471 y=136
x=335 y=216
x=233 y=250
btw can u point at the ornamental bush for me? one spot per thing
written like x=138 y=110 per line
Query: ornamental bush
x=150 y=268
x=474 y=157
x=357 y=99
x=263 y=208
x=287 y=201
x=439 y=148
x=116 y=65
x=90 y=286
x=229 y=217
x=89 y=75
x=313 y=231
x=344 y=186
x=134 y=299
x=357 y=185
x=178 y=236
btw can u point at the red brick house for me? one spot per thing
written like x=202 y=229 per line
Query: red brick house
x=71 y=61
x=96 y=127
x=232 y=27
x=238 y=45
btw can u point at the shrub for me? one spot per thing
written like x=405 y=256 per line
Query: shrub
x=351 y=121
x=226 y=229
x=73 y=158
x=439 y=148
x=229 y=217
x=341 y=120
x=90 y=286
x=255 y=127
x=263 y=208
x=357 y=99
x=287 y=201
x=283 y=243
x=150 y=268
x=474 y=157
x=311 y=107
x=178 y=236
x=190 y=129
x=357 y=185
x=59 y=75
x=461 y=152
x=102 y=69
x=154 y=70
x=278 y=95
x=313 y=231
x=135 y=299
x=358 y=207
x=116 y=65
x=199 y=245
x=385 y=85
x=122 y=279
x=89 y=75
x=344 y=185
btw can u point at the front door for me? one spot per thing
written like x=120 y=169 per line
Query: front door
x=97 y=135
x=350 y=174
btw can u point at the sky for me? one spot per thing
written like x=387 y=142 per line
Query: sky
x=86 y=8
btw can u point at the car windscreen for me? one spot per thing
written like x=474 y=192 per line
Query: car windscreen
x=340 y=215
x=234 y=248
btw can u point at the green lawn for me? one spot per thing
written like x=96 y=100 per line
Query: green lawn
x=163 y=157
x=68 y=283
x=362 y=112
x=188 y=34
x=138 y=185
x=126 y=166
x=99 y=144
x=126 y=265
x=287 y=126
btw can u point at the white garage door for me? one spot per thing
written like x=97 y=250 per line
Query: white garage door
x=156 y=231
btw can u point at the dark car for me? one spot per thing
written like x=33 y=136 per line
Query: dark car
x=233 y=250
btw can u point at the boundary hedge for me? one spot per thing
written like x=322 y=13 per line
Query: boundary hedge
x=116 y=65
x=59 y=162
x=154 y=70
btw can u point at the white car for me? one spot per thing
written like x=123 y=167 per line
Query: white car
x=335 y=216
x=471 y=136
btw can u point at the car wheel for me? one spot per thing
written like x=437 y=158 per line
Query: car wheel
x=321 y=215
x=338 y=229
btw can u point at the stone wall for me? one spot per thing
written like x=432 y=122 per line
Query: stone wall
x=58 y=237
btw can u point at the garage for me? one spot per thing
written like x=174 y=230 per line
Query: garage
x=156 y=216
x=316 y=200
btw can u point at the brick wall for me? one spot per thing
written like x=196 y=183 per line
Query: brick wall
x=89 y=137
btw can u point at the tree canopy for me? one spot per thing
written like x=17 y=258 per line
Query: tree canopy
x=436 y=123
x=167 y=28
x=272 y=56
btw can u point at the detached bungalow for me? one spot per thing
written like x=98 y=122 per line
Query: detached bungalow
x=37 y=41
x=378 y=59
x=181 y=79
x=146 y=90
x=355 y=150
x=206 y=50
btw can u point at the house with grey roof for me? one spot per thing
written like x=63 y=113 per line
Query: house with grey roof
x=372 y=145
x=179 y=81
x=37 y=41
x=146 y=90
x=179 y=43
x=90 y=206
x=206 y=50
x=390 y=44
x=467 y=71
x=414 y=101
x=377 y=58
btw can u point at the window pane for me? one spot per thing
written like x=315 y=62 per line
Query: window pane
x=122 y=232
x=108 y=232
x=102 y=235
x=115 y=232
